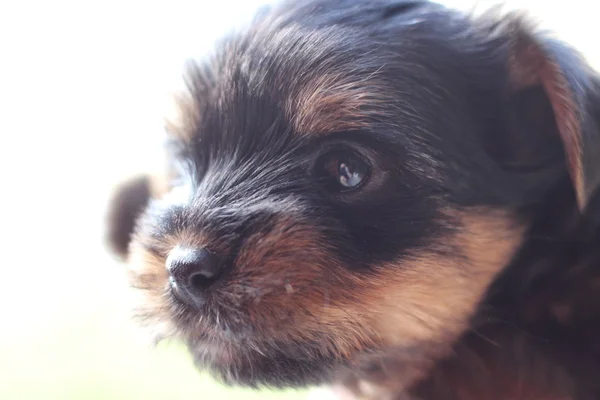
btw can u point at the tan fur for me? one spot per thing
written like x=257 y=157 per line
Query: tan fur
x=430 y=294
x=337 y=102
x=531 y=66
x=148 y=275
x=568 y=125
x=425 y=298
x=426 y=302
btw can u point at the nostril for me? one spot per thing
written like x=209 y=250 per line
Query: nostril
x=202 y=280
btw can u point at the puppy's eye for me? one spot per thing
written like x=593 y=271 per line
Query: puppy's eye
x=342 y=171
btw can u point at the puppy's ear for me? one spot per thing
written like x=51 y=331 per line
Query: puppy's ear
x=557 y=98
x=128 y=202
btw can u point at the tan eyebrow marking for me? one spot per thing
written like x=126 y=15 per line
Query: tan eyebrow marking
x=337 y=102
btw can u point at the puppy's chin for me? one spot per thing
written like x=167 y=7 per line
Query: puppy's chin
x=238 y=353
x=241 y=358
x=245 y=362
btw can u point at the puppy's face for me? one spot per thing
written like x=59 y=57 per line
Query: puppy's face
x=336 y=193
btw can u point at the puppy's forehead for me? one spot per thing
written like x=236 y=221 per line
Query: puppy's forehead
x=303 y=75
x=316 y=82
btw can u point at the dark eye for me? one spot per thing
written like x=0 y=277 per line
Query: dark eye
x=342 y=170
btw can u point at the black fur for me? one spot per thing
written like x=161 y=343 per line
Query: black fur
x=455 y=135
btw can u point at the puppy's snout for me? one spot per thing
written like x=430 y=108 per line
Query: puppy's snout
x=192 y=271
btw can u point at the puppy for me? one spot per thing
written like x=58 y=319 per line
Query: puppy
x=388 y=196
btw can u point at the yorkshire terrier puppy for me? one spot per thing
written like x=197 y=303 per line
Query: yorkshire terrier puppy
x=385 y=195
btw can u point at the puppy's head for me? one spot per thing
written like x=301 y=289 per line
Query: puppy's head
x=350 y=178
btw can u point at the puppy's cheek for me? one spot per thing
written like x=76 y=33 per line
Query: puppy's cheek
x=420 y=306
x=300 y=290
x=433 y=294
x=426 y=298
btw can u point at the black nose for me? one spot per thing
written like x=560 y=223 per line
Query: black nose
x=192 y=271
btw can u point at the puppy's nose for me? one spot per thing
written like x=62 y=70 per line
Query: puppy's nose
x=192 y=271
